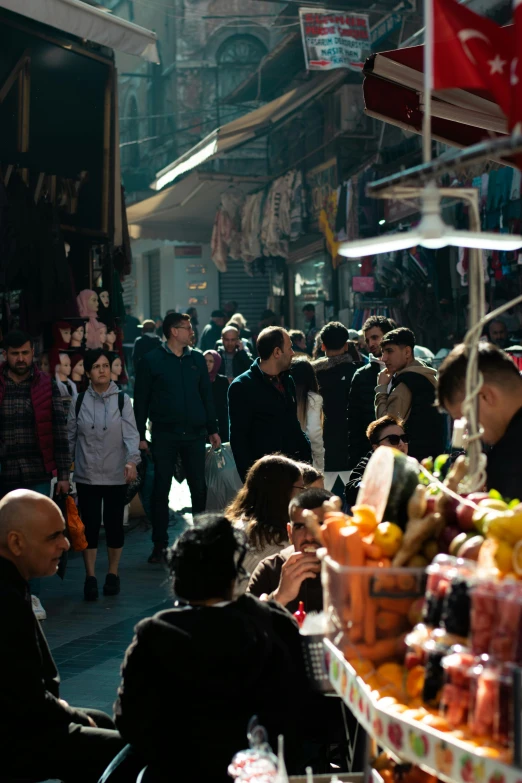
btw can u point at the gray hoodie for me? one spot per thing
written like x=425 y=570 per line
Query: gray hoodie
x=102 y=441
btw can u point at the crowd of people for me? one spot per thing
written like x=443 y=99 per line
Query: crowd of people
x=229 y=648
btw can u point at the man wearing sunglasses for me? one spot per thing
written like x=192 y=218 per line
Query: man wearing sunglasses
x=406 y=388
x=386 y=431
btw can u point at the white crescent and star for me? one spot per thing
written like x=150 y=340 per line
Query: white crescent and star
x=496 y=65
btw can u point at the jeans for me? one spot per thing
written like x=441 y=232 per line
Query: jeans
x=165 y=451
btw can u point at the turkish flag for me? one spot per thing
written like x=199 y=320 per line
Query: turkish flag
x=471 y=52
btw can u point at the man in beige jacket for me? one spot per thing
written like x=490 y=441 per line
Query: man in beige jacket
x=407 y=389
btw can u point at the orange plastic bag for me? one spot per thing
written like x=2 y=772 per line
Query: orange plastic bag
x=75 y=527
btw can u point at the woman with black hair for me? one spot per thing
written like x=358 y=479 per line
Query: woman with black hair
x=309 y=407
x=195 y=674
x=260 y=508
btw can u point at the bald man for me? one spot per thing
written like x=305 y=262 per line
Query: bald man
x=42 y=736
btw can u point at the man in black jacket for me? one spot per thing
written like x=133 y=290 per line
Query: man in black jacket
x=173 y=390
x=262 y=406
x=499 y=412
x=42 y=737
x=212 y=331
x=361 y=406
x=334 y=376
x=147 y=342
x=235 y=359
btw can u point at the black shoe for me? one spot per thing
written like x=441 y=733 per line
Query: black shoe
x=112 y=585
x=158 y=555
x=90 y=589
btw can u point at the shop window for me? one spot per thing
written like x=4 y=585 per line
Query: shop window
x=237 y=58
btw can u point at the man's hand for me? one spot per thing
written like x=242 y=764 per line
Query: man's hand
x=144 y=445
x=384 y=378
x=215 y=440
x=130 y=472
x=62 y=488
x=298 y=567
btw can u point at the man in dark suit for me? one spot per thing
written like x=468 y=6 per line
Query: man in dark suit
x=147 y=341
x=42 y=736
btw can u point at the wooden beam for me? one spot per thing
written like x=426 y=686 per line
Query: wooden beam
x=11 y=79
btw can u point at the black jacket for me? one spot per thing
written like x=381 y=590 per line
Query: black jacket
x=174 y=392
x=220 y=394
x=334 y=376
x=144 y=345
x=505 y=461
x=30 y=713
x=264 y=421
x=425 y=424
x=209 y=336
x=241 y=361
x=361 y=411
x=222 y=665
x=352 y=488
x=267 y=575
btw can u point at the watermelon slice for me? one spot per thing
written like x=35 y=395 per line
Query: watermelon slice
x=388 y=483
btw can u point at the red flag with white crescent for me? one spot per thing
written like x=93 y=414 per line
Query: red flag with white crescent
x=515 y=116
x=471 y=52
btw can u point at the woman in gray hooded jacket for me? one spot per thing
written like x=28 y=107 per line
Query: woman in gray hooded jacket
x=104 y=444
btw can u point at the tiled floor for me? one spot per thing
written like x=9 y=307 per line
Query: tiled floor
x=88 y=640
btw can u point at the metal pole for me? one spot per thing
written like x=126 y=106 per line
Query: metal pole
x=428 y=80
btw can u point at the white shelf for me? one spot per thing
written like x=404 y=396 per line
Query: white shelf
x=437 y=752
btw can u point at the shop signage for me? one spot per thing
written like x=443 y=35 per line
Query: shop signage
x=363 y=285
x=334 y=39
x=188 y=251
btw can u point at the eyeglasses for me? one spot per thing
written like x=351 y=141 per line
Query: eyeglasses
x=188 y=328
x=396 y=439
x=298 y=486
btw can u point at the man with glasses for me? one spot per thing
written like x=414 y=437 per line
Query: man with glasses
x=173 y=390
x=406 y=388
x=386 y=431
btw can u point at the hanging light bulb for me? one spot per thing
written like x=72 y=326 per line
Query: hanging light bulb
x=432 y=232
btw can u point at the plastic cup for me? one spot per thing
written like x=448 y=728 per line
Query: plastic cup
x=455 y=694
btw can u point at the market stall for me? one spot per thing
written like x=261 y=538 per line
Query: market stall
x=62 y=228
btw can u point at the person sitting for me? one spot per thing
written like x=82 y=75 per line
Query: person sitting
x=235 y=358
x=386 y=431
x=233 y=659
x=42 y=736
x=260 y=508
x=292 y=575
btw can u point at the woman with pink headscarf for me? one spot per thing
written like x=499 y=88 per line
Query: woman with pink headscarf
x=88 y=306
x=220 y=391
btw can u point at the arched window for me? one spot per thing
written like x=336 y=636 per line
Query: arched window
x=237 y=58
x=130 y=132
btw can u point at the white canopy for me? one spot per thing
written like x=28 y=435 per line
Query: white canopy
x=89 y=23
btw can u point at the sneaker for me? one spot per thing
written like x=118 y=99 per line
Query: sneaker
x=112 y=585
x=158 y=555
x=90 y=589
x=39 y=611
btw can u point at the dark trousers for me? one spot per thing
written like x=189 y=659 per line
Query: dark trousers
x=90 y=498
x=80 y=756
x=165 y=451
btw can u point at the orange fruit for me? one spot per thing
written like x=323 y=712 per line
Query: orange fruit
x=364 y=519
x=436 y=722
x=415 y=681
x=361 y=666
x=388 y=537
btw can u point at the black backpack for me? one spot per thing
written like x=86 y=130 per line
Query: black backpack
x=79 y=401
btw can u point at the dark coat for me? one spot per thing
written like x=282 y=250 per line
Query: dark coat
x=264 y=421
x=174 y=392
x=142 y=346
x=224 y=665
x=352 y=488
x=241 y=361
x=425 y=424
x=31 y=714
x=334 y=376
x=361 y=410
x=220 y=393
x=209 y=336
x=505 y=461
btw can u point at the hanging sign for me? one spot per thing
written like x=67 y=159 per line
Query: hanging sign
x=334 y=39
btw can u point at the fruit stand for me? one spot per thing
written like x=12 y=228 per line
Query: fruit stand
x=424 y=614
